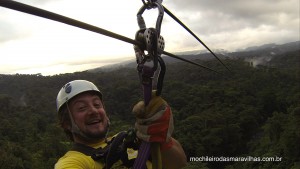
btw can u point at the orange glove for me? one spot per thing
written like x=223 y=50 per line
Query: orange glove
x=154 y=123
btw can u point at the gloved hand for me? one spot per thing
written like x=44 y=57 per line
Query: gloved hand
x=154 y=123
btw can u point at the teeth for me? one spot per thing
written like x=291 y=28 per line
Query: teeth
x=94 y=121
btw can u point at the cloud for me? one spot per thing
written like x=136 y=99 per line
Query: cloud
x=219 y=13
x=10 y=32
x=39 y=2
x=229 y=25
x=63 y=66
x=228 y=19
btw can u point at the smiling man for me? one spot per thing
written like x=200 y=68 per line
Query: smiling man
x=90 y=117
x=83 y=117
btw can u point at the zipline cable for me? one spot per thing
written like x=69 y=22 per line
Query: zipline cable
x=195 y=36
x=69 y=21
x=191 y=62
x=63 y=19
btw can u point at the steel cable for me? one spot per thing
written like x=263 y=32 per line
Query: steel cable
x=69 y=21
x=195 y=36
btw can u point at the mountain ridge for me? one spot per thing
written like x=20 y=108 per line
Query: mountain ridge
x=255 y=55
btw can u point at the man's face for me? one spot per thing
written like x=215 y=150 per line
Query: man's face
x=89 y=115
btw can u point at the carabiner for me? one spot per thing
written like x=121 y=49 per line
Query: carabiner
x=150 y=5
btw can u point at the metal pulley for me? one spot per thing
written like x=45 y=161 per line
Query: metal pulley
x=152 y=46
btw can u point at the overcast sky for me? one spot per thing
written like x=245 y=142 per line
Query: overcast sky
x=30 y=44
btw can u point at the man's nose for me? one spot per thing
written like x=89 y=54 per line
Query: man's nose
x=92 y=109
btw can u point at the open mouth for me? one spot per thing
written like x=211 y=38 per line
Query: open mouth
x=93 y=122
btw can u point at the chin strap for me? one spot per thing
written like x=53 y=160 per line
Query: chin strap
x=76 y=130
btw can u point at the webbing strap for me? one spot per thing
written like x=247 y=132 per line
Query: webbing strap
x=146 y=80
x=143 y=156
x=146 y=76
x=115 y=150
x=83 y=149
x=96 y=154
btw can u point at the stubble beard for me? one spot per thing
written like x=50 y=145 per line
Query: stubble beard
x=93 y=136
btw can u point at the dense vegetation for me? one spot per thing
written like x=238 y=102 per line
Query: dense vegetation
x=247 y=112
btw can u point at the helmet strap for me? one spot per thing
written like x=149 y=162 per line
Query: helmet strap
x=74 y=128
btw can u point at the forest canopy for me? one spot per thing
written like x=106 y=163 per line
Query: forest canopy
x=250 y=111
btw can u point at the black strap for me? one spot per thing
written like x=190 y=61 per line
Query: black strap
x=115 y=150
x=96 y=154
x=118 y=151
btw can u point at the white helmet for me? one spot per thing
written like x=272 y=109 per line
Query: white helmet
x=73 y=88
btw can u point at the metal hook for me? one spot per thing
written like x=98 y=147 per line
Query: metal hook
x=140 y=19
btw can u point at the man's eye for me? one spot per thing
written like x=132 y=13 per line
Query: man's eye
x=98 y=105
x=81 y=108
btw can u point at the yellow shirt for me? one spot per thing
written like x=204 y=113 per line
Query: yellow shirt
x=78 y=160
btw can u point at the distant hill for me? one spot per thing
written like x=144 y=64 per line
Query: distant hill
x=283 y=47
x=268 y=54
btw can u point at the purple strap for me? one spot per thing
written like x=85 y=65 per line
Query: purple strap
x=144 y=149
x=147 y=93
x=143 y=156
